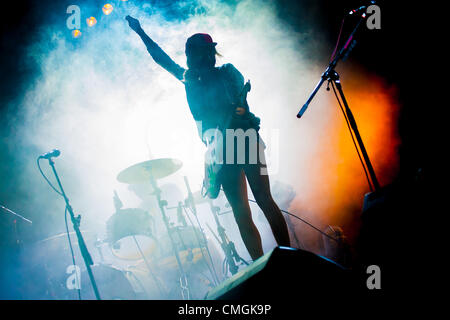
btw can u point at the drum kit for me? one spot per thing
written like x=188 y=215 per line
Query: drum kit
x=171 y=265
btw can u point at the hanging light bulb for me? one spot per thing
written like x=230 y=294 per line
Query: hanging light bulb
x=76 y=33
x=91 y=21
x=107 y=8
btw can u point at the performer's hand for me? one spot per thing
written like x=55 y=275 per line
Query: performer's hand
x=134 y=23
x=239 y=111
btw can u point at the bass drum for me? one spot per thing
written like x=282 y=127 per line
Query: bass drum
x=53 y=276
x=146 y=285
x=112 y=284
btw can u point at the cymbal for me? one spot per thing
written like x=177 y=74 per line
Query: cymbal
x=144 y=171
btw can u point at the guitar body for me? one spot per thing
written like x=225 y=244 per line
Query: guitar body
x=214 y=154
x=213 y=166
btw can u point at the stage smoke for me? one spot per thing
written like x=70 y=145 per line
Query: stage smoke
x=103 y=101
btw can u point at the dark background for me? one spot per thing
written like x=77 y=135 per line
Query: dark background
x=395 y=53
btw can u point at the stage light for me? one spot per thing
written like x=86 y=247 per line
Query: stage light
x=76 y=33
x=91 y=21
x=107 y=8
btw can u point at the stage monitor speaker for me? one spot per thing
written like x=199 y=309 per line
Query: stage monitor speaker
x=286 y=273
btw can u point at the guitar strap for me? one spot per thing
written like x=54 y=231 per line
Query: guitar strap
x=250 y=117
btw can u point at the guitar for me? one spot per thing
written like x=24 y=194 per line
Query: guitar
x=214 y=145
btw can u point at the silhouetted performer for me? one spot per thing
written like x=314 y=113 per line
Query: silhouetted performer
x=213 y=94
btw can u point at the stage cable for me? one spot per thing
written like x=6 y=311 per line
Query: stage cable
x=297 y=217
x=304 y=221
x=338 y=40
x=45 y=177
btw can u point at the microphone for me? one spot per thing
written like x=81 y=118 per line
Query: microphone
x=52 y=154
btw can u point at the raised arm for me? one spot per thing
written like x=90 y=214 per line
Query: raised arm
x=155 y=51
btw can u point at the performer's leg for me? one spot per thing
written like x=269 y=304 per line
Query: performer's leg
x=259 y=183
x=235 y=188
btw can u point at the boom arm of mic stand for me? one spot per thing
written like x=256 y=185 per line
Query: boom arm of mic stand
x=311 y=96
x=331 y=74
x=347 y=46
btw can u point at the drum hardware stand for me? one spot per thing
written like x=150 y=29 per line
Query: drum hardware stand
x=180 y=218
x=184 y=286
x=148 y=266
x=211 y=267
x=15 y=215
x=194 y=211
x=76 y=226
x=332 y=76
x=228 y=247
x=190 y=255
x=292 y=229
x=97 y=245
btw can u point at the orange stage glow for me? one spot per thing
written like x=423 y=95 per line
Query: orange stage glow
x=91 y=21
x=337 y=179
x=107 y=8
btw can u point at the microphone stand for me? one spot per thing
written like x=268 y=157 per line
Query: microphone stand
x=76 y=226
x=331 y=75
x=228 y=247
x=183 y=280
